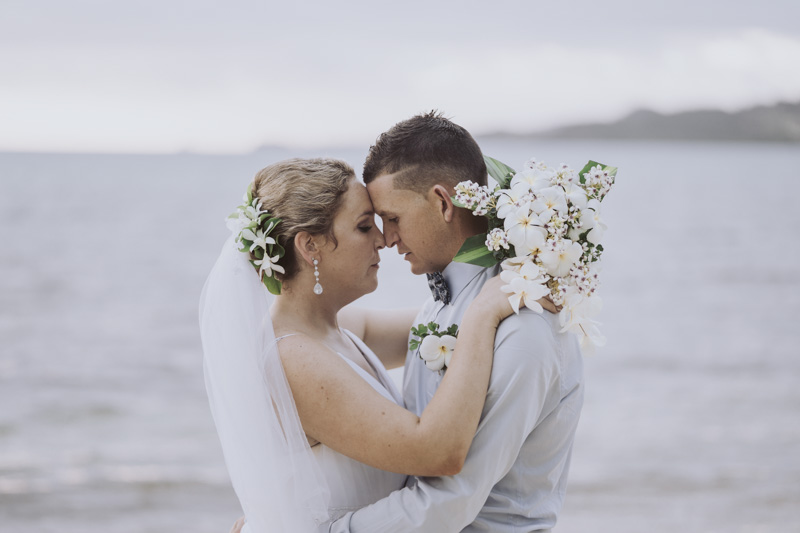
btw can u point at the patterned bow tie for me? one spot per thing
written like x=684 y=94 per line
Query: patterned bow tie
x=438 y=287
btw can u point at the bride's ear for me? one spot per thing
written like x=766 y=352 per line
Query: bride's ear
x=306 y=246
x=444 y=204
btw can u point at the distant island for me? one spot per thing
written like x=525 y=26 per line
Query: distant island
x=776 y=123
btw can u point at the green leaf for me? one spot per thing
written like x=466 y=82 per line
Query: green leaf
x=452 y=330
x=273 y=285
x=475 y=252
x=612 y=171
x=457 y=203
x=500 y=172
x=276 y=249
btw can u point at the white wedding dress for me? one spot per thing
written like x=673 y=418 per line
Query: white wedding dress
x=283 y=484
x=352 y=484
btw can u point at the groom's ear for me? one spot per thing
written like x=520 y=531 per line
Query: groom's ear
x=306 y=246
x=444 y=204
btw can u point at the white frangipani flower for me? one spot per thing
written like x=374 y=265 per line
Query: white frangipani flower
x=577 y=317
x=508 y=200
x=528 y=270
x=524 y=229
x=534 y=245
x=436 y=351
x=576 y=195
x=533 y=179
x=597 y=225
x=515 y=263
x=549 y=201
x=560 y=256
x=524 y=291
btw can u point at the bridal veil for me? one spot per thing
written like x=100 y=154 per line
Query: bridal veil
x=273 y=471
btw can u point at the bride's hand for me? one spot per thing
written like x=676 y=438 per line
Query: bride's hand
x=548 y=305
x=494 y=302
x=491 y=302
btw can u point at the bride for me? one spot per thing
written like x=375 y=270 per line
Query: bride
x=310 y=423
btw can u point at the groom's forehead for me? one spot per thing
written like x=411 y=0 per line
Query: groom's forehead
x=388 y=193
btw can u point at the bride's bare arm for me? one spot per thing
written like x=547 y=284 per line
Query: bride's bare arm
x=384 y=331
x=338 y=408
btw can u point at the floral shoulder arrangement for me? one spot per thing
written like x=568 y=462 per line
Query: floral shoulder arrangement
x=545 y=230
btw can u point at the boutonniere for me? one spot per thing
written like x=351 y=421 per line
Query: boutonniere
x=435 y=347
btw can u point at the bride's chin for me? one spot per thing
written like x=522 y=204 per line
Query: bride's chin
x=372 y=286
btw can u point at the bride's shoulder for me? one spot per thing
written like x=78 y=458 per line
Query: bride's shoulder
x=296 y=346
x=302 y=355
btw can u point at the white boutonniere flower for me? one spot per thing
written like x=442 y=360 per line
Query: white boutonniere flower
x=435 y=347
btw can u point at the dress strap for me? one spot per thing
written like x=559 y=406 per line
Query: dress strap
x=284 y=336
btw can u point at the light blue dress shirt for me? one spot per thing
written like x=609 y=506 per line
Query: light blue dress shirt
x=515 y=475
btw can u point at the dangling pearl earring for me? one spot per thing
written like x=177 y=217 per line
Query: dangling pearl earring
x=317 y=286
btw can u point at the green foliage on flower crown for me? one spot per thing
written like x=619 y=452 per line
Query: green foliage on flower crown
x=431 y=328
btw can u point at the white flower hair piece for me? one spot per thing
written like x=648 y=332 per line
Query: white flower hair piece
x=251 y=226
x=545 y=229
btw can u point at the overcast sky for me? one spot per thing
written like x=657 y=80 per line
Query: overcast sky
x=165 y=76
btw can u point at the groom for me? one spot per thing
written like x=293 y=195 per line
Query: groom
x=515 y=476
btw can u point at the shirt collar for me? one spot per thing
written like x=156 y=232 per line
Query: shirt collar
x=458 y=275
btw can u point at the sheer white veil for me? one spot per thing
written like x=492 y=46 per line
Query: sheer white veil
x=272 y=468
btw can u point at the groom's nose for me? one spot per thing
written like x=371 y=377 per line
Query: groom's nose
x=390 y=236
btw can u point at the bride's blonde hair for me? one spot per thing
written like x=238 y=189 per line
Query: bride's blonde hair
x=306 y=195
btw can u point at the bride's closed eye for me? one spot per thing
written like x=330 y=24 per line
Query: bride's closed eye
x=364 y=229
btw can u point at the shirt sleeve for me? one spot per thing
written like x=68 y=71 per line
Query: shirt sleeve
x=523 y=388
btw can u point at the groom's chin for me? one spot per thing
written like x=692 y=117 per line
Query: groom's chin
x=418 y=270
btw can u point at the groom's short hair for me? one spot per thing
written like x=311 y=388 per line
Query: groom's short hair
x=423 y=151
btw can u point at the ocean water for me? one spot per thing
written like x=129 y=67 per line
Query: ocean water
x=691 y=416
